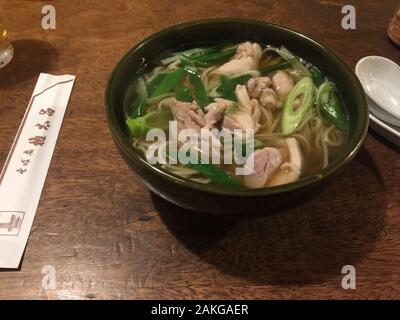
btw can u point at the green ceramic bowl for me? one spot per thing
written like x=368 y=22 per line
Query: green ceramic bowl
x=195 y=196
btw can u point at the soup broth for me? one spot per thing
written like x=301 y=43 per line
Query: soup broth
x=296 y=113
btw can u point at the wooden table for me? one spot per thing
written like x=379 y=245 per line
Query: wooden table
x=107 y=236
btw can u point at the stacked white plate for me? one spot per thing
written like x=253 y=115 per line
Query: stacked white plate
x=380 y=78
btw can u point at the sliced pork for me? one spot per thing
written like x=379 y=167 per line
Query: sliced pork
x=266 y=163
x=247 y=57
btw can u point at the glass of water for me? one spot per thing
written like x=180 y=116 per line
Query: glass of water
x=6 y=48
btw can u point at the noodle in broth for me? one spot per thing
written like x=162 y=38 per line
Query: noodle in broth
x=316 y=135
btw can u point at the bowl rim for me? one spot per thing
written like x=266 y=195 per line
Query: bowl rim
x=123 y=142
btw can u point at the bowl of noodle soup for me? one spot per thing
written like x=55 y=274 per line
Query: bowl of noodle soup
x=303 y=105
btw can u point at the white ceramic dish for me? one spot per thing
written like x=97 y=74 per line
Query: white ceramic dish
x=381 y=114
x=380 y=78
x=385 y=130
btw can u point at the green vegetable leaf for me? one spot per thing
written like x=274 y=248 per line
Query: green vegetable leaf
x=217 y=175
x=135 y=99
x=291 y=117
x=156 y=119
x=330 y=107
x=228 y=85
x=228 y=88
x=140 y=109
x=316 y=75
x=168 y=82
x=155 y=82
x=183 y=94
x=214 y=57
x=200 y=91
x=197 y=83
x=214 y=173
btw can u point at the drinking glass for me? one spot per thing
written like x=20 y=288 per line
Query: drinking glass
x=6 y=48
x=394 y=28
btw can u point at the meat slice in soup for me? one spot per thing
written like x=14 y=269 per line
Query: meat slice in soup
x=266 y=162
x=186 y=113
x=215 y=112
x=282 y=84
x=237 y=118
x=247 y=57
x=255 y=86
x=269 y=99
x=289 y=171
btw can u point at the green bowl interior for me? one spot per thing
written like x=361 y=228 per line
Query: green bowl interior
x=234 y=30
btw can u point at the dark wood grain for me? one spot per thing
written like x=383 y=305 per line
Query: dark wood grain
x=108 y=237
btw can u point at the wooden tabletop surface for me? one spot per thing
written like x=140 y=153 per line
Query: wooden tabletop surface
x=107 y=236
